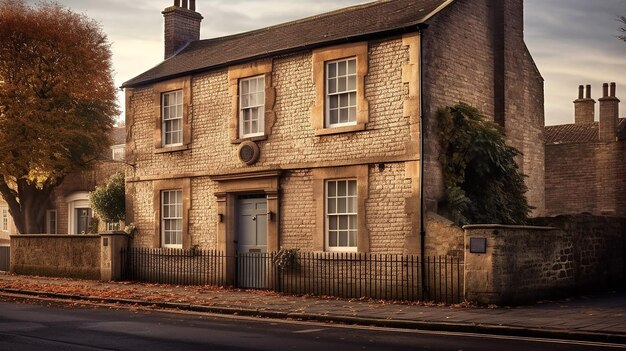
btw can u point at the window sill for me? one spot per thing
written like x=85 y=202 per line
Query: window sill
x=168 y=149
x=338 y=130
x=254 y=138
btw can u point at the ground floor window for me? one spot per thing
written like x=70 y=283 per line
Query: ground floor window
x=341 y=215
x=172 y=218
x=51 y=221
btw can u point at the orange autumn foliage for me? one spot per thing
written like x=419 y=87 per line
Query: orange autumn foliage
x=57 y=103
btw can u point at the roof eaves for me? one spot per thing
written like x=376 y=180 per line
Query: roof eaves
x=305 y=46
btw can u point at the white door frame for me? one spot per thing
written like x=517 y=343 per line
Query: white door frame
x=76 y=200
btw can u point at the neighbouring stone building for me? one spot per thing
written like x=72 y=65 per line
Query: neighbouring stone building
x=586 y=161
x=313 y=134
x=69 y=211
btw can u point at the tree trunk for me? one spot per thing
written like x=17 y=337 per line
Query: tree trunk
x=27 y=205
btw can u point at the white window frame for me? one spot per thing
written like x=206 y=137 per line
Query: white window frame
x=51 y=217
x=332 y=89
x=171 y=113
x=75 y=201
x=335 y=215
x=112 y=226
x=5 y=219
x=252 y=101
x=117 y=150
x=167 y=217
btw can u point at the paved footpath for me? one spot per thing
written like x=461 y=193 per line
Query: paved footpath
x=599 y=317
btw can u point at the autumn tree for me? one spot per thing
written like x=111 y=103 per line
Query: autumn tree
x=57 y=103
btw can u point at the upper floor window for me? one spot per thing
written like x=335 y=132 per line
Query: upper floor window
x=117 y=152
x=5 y=219
x=341 y=100
x=172 y=117
x=339 y=76
x=252 y=106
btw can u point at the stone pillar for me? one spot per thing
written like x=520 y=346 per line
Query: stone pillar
x=111 y=245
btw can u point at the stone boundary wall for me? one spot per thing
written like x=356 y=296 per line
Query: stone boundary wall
x=526 y=263
x=71 y=256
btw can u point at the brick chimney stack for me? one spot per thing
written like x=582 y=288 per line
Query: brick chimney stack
x=609 y=113
x=584 y=106
x=182 y=25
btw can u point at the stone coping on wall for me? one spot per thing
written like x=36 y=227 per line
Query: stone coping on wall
x=55 y=236
x=503 y=226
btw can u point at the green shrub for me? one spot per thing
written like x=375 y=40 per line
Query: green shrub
x=482 y=181
x=108 y=200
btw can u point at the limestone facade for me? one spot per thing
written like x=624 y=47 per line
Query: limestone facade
x=299 y=153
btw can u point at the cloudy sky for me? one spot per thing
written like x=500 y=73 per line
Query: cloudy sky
x=572 y=41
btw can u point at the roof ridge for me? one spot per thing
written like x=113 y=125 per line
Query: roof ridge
x=296 y=21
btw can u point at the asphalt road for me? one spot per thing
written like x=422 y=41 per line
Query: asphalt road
x=40 y=325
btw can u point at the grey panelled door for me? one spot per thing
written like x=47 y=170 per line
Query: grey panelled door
x=83 y=219
x=252 y=242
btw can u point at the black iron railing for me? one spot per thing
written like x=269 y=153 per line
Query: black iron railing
x=349 y=275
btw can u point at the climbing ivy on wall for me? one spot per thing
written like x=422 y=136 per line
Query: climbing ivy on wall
x=483 y=183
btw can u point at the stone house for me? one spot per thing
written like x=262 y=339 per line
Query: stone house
x=586 y=161
x=313 y=134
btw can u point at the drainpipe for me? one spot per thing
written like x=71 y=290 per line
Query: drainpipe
x=421 y=29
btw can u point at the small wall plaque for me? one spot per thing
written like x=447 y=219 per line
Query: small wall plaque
x=105 y=241
x=478 y=245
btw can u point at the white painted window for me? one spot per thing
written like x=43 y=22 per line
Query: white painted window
x=172 y=117
x=341 y=215
x=172 y=218
x=51 y=221
x=112 y=226
x=118 y=152
x=341 y=93
x=5 y=219
x=252 y=106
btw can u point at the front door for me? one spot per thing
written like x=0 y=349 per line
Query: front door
x=83 y=220
x=252 y=257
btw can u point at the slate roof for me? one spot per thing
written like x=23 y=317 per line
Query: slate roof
x=351 y=23
x=579 y=133
x=572 y=133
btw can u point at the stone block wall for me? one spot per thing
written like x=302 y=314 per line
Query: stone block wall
x=525 y=263
x=71 y=256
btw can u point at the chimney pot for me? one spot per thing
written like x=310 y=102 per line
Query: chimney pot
x=185 y=4
x=581 y=91
x=192 y=5
x=605 y=89
x=177 y=3
x=588 y=91
x=613 y=89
